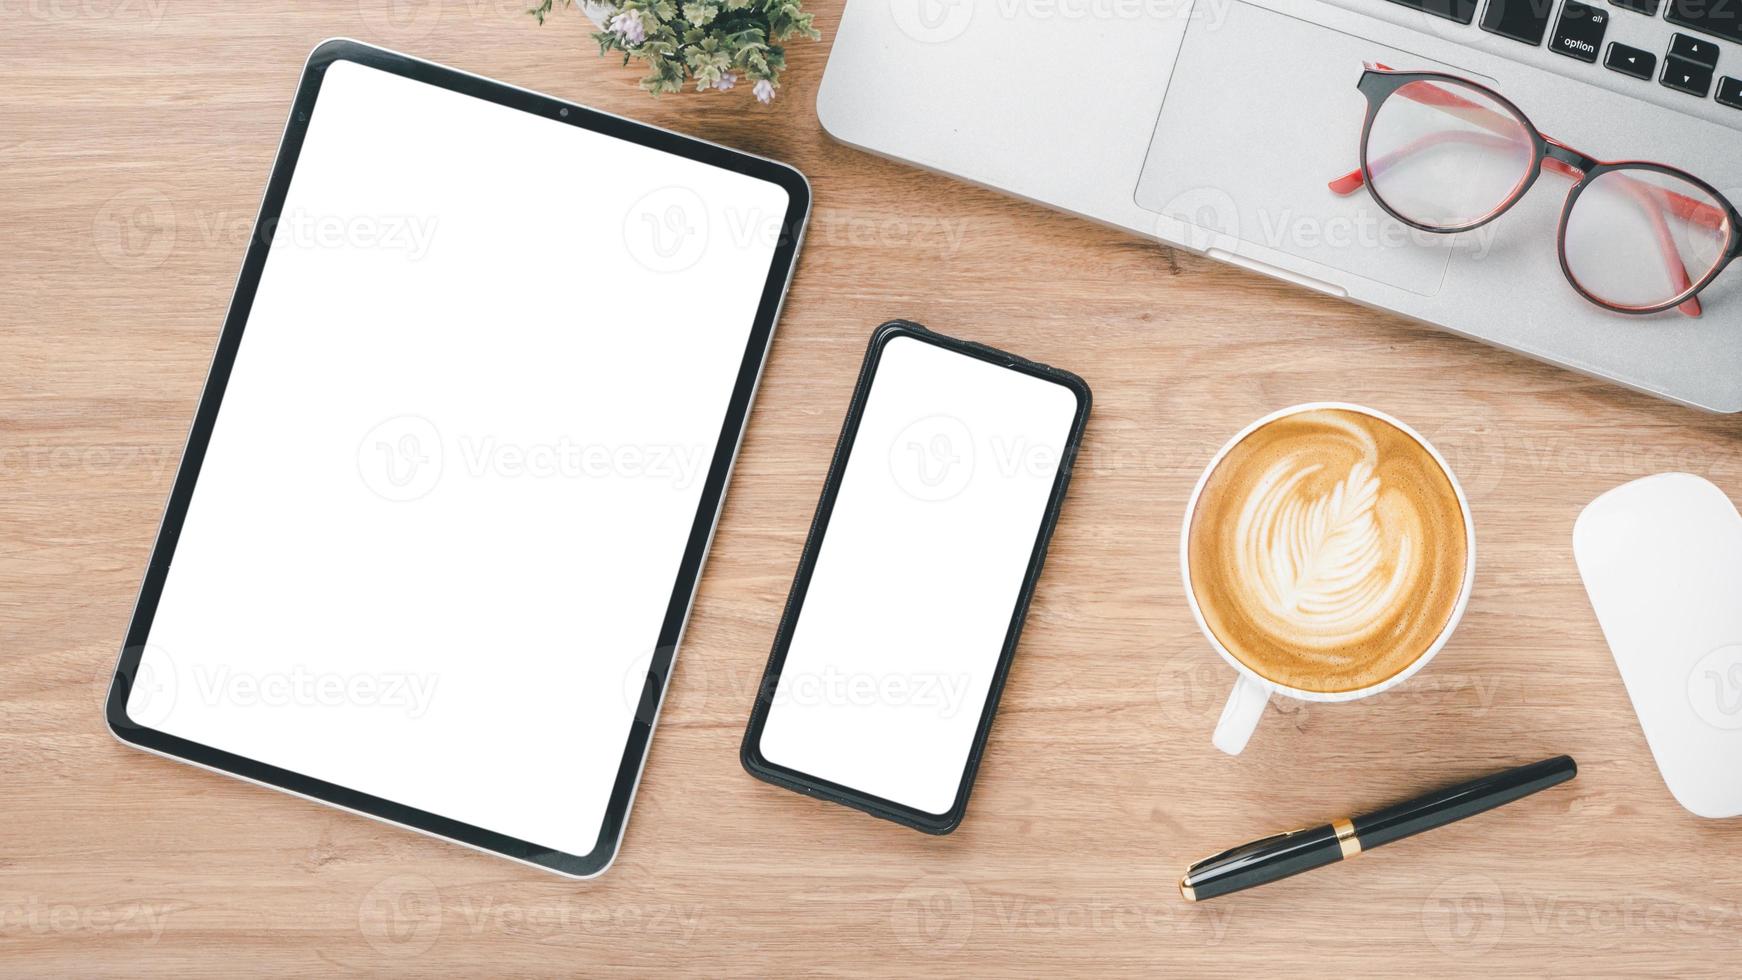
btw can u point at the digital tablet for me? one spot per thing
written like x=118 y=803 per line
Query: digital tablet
x=449 y=487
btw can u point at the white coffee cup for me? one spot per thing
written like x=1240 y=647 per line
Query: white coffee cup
x=1251 y=690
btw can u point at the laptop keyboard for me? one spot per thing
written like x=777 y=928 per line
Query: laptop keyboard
x=1576 y=29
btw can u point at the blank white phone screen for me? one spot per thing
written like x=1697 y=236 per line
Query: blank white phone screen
x=461 y=451
x=917 y=578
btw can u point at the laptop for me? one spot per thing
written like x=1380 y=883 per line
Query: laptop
x=1219 y=126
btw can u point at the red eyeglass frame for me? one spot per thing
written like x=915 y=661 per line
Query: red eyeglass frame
x=1379 y=82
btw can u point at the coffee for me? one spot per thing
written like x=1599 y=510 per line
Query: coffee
x=1327 y=550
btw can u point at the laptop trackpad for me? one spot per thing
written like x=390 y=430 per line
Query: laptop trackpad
x=1244 y=148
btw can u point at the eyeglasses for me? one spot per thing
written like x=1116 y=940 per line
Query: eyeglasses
x=1444 y=154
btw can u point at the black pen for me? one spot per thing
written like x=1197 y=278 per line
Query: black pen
x=1281 y=855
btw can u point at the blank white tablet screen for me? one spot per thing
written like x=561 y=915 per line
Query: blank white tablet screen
x=451 y=480
x=918 y=575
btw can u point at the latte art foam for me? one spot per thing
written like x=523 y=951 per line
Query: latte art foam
x=1327 y=550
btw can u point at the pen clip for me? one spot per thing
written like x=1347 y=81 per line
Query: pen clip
x=1244 y=849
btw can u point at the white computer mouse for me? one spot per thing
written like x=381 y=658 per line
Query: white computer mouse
x=1662 y=560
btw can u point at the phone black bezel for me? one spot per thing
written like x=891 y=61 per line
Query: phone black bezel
x=713 y=490
x=750 y=752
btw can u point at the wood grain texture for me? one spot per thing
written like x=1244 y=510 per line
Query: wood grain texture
x=135 y=138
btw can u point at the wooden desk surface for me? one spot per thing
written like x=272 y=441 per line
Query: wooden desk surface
x=135 y=138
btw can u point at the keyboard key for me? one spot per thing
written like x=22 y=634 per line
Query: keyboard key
x=1730 y=91
x=1520 y=20
x=1462 y=11
x=1579 y=32
x=1696 y=50
x=1685 y=76
x=1646 y=7
x=1630 y=61
x=1720 y=18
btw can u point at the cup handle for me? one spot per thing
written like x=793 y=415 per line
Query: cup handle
x=1240 y=716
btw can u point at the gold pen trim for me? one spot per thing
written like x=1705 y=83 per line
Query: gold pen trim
x=1186 y=890
x=1346 y=838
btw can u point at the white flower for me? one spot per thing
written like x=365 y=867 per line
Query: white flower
x=628 y=26
x=726 y=81
x=764 y=91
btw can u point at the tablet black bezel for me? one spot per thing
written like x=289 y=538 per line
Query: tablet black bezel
x=713 y=490
x=750 y=751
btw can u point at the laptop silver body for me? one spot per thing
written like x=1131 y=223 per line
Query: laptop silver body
x=1215 y=125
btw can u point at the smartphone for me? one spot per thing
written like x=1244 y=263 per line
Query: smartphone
x=910 y=595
